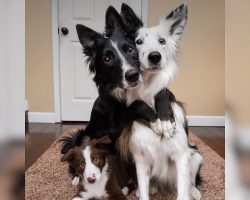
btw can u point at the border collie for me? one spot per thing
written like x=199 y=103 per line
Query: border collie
x=100 y=175
x=115 y=63
x=168 y=159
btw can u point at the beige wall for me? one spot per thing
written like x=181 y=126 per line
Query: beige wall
x=38 y=56
x=237 y=59
x=200 y=83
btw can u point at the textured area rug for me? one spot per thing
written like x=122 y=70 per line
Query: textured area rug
x=48 y=179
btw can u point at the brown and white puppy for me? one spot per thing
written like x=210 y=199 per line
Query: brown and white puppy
x=100 y=176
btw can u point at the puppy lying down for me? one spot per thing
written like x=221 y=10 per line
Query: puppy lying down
x=100 y=176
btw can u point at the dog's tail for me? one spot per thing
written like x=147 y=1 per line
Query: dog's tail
x=123 y=142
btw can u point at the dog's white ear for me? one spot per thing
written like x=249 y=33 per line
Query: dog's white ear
x=176 y=21
x=113 y=21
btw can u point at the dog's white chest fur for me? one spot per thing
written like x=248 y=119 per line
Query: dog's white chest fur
x=151 y=84
x=158 y=152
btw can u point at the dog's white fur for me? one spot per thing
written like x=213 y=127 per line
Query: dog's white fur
x=167 y=159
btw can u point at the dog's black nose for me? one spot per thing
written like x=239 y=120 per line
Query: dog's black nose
x=132 y=75
x=154 y=57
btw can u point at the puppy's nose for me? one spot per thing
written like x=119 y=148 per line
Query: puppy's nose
x=91 y=179
x=132 y=75
x=154 y=57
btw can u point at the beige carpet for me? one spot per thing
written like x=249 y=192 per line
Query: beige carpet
x=48 y=179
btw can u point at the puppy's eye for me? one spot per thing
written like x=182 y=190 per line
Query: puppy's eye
x=107 y=59
x=130 y=50
x=82 y=165
x=139 y=41
x=162 y=41
x=95 y=160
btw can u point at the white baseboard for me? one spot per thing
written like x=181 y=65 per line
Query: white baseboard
x=41 y=117
x=195 y=120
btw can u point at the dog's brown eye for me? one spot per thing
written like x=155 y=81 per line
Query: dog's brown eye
x=139 y=41
x=82 y=165
x=130 y=50
x=107 y=59
x=95 y=160
x=162 y=41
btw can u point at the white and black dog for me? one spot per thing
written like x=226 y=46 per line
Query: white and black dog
x=168 y=159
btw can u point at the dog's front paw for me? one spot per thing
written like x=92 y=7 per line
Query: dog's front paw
x=156 y=127
x=153 y=189
x=168 y=128
x=137 y=193
x=77 y=198
x=195 y=193
x=75 y=181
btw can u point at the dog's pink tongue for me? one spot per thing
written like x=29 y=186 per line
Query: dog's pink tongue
x=91 y=180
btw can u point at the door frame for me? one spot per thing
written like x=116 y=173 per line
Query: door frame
x=56 y=52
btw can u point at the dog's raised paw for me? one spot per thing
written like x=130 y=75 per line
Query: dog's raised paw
x=168 y=128
x=157 y=127
x=75 y=181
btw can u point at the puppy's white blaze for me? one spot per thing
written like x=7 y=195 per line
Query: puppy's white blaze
x=125 y=191
x=97 y=189
x=90 y=168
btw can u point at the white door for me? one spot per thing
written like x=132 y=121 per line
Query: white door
x=78 y=91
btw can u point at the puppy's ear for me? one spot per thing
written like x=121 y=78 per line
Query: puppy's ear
x=102 y=143
x=69 y=156
x=87 y=37
x=113 y=21
x=176 y=21
x=131 y=20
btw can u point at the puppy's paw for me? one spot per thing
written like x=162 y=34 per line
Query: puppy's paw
x=75 y=181
x=77 y=198
x=153 y=189
x=168 y=128
x=125 y=190
x=156 y=127
x=195 y=193
x=137 y=193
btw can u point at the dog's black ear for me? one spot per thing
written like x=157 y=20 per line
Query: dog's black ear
x=113 y=20
x=177 y=20
x=87 y=37
x=89 y=40
x=131 y=20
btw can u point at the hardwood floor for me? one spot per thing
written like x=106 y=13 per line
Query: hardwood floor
x=40 y=136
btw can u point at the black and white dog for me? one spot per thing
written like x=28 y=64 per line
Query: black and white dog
x=114 y=60
x=168 y=159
